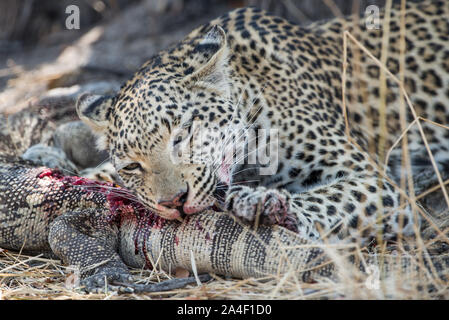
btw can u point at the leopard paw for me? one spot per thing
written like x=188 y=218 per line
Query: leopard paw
x=270 y=205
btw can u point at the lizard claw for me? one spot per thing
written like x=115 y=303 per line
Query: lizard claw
x=168 y=285
x=109 y=280
x=116 y=280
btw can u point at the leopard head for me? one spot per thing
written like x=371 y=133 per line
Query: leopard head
x=167 y=128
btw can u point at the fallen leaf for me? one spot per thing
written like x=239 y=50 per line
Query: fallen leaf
x=72 y=281
x=181 y=273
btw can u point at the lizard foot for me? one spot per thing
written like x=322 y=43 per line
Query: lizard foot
x=109 y=280
x=171 y=284
x=116 y=280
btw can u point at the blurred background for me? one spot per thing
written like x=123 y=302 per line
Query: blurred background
x=41 y=59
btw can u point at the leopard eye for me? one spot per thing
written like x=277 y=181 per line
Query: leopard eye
x=132 y=166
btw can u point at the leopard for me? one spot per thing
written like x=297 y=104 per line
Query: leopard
x=329 y=102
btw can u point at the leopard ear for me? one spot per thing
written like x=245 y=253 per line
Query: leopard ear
x=211 y=58
x=94 y=110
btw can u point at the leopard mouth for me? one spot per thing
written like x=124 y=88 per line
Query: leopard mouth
x=220 y=194
x=182 y=214
x=178 y=205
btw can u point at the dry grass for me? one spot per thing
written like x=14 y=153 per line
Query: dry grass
x=401 y=276
x=23 y=278
x=28 y=278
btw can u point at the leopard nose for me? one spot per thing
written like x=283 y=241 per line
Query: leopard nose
x=177 y=201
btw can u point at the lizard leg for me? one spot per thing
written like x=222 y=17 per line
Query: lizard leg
x=86 y=240
x=89 y=242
